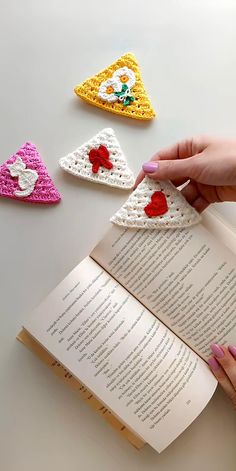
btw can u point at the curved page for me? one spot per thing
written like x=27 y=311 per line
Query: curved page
x=132 y=362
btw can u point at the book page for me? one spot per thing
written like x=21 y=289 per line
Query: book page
x=126 y=357
x=185 y=277
x=85 y=394
x=224 y=233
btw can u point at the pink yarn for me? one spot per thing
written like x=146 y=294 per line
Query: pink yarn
x=44 y=190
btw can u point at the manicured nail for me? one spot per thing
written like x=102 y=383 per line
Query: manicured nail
x=150 y=167
x=232 y=350
x=216 y=350
x=213 y=363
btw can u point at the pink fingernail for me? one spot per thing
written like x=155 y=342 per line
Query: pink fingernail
x=232 y=350
x=217 y=351
x=213 y=363
x=150 y=167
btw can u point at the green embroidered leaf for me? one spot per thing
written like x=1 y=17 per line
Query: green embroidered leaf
x=123 y=90
x=128 y=100
x=124 y=87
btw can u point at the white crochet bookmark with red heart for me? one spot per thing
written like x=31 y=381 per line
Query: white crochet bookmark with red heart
x=156 y=205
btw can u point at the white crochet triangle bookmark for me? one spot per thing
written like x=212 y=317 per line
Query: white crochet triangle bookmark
x=156 y=205
x=100 y=160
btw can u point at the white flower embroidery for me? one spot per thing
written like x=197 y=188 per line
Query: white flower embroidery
x=125 y=75
x=26 y=177
x=118 y=87
x=108 y=88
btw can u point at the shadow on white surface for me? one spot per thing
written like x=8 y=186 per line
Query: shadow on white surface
x=86 y=109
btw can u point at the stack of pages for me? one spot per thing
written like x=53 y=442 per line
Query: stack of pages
x=130 y=326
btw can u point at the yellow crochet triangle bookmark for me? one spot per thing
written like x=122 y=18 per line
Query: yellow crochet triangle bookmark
x=118 y=88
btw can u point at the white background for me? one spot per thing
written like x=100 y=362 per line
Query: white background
x=187 y=53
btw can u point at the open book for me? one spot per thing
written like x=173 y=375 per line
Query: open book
x=134 y=320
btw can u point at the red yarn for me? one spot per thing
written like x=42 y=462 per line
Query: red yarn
x=99 y=157
x=157 y=206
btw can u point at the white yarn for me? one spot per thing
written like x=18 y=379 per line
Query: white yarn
x=116 y=84
x=77 y=163
x=125 y=71
x=26 y=177
x=180 y=213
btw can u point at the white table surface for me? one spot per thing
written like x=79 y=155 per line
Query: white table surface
x=187 y=52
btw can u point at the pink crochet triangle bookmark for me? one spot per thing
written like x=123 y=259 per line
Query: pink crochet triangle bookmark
x=25 y=177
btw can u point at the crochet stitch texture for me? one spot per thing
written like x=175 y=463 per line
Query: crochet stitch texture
x=78 y=162
x=43 y=190
x=180 y=214
x=140 y=108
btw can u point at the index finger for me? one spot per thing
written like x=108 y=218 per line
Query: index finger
x=227 y=362
x=180 y=150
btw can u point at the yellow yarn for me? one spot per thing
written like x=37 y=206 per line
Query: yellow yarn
x=140 y=108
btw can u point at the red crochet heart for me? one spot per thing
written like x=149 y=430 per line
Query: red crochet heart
x=99 y=157
x=157 y=206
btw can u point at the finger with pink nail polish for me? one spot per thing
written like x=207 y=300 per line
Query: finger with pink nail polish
x=232 y=350
x=213 y=363
x=217 y=350
x=150 y=167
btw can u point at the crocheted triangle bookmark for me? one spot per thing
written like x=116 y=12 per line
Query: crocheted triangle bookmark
x=118 y=88
x=100 y=160
x=24 y=177
x=156 y=205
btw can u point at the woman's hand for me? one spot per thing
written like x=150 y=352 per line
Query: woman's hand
x=223 y=365
x=208 y=164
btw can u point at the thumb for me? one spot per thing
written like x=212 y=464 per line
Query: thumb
x=172 y=169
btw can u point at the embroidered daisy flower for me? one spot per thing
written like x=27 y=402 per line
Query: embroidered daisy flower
x=125 y=76
x=108 y=88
